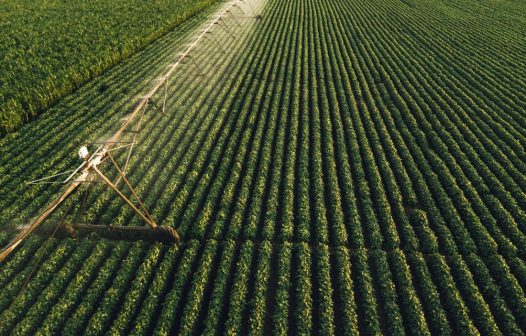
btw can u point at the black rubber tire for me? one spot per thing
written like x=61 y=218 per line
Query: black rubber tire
x=168 y=234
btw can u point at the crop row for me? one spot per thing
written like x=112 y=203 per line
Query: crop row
x=255 y=288
x=55 y=49
x=359 y=155
x=334 y=172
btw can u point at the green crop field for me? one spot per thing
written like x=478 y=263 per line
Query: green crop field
x=344 y=167
x=50 y=48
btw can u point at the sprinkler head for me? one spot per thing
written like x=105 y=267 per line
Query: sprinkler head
x=83 y=153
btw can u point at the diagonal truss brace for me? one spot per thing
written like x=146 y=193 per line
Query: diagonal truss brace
x=142 y=212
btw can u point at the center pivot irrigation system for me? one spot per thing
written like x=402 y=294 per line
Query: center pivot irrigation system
x=125 y=137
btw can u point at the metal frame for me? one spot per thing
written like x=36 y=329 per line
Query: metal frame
x=89 y=170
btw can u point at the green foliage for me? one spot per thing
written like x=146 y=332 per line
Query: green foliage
x=51 y=48
x=335 y=172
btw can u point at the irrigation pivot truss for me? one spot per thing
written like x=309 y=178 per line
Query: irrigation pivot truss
x=89 y=171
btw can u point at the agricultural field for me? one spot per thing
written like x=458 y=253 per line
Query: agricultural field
x=343 y=167
x=50 y=48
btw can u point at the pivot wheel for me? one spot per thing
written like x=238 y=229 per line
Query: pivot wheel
x=166 y=234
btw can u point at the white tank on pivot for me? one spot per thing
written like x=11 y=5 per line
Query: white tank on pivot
x=83 y=153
